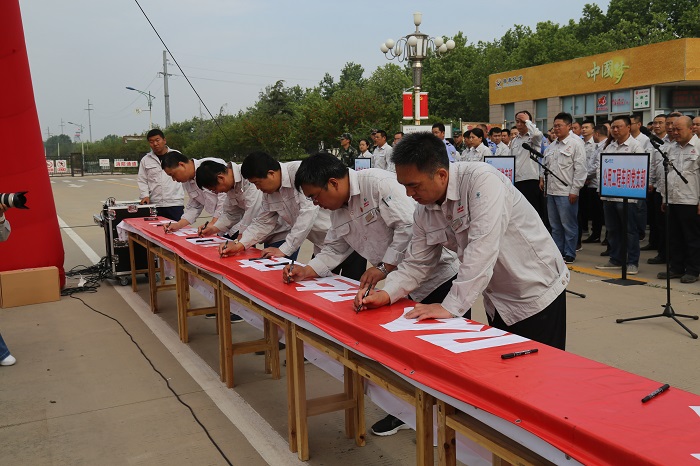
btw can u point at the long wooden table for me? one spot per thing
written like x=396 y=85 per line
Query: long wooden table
x=521 y=410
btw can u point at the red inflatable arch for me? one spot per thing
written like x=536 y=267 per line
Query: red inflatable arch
x=36 y=239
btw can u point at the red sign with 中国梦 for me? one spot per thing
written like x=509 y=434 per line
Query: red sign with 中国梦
x=408 y=108
x=586 y=409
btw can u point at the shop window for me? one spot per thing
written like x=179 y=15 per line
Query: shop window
x=567 y=104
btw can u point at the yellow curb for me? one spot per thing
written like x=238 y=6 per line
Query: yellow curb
x=600 y=273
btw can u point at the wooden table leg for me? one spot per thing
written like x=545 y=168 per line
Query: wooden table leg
x=447 y=446
x=132 y=262
x=424 y=428
x=297 y=347
x=152 y=282
x=291 y=388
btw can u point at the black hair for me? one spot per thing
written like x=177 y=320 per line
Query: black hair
x=366 y=142
x=529 y=115
x=207 y=173
x=662 y=115
x=637 y=118
x=399 y=132
x=495 y=130
x=172 y=159
x=588 y=121
x=565 y=117
x=318 y=169
x=155 y=132
x=478 y=132
x=257 y=164
x=439 y=126
x=423 y=150
x=382 y=132
x=467 y=133
x=601 y=129
x=624 y=118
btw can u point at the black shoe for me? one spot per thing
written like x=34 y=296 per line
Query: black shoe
x=210 y=316
x=606 y=252
x=235 y=319
x=604 y=242
x=569 y=260
x=657 y=260
x=388 y=426
x=591 y=239
x=281 y=346
x=648 y=247
x=579 y=247
x=687 y=278
x=662 y=275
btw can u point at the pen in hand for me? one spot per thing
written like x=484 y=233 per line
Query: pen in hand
x=221 y=252
x=203 y=228
x=359 y=307
x=289 y=274
x=167 y=227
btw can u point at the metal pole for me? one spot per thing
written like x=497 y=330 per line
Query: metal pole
x=417 y=78
x=150 y=112
x=89 y=120
x=165 y=89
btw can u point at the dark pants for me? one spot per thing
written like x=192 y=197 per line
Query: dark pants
x=660 y=224
x=173 y=212
x=684 y=245
x=352 y=267
x=651 y=220
x=593 y=207
x=439 y=293
x=530 y=189
x=613 y=224
x=547 y=326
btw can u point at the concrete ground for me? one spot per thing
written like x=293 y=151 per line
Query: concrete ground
x=82 y=392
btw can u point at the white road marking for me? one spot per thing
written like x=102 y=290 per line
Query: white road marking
x=266 y=441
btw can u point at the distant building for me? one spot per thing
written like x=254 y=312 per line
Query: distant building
x=652 y=79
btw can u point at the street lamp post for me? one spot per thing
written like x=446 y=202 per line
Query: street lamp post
x=82 y=146
x=150 y=98
x=414 y=47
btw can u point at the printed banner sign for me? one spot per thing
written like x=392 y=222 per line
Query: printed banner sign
x=624 y=175
x=504 y=164
x=126 y=163
x=362 y=163
x=104 y=163
x=61 y=166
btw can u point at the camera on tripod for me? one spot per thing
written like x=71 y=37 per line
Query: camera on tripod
x=18 y=200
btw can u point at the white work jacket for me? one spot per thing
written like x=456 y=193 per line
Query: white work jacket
x=686 y=159
x=567 y=160
x=155 y=184
x=305 y=218
x=377 y=223
x=525 y=167
x=198 y=199
x=507 y=254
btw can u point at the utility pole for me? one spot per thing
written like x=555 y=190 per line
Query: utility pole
x=62 y=125
x=89 y=109
x=165 y=88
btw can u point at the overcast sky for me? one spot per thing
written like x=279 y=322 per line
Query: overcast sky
x=230 y=49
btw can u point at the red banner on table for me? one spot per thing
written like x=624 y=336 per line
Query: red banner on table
x=588 y=410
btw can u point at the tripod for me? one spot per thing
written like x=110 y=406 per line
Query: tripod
x=668 y=308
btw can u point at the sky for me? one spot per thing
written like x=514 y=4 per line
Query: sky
x=230 y=49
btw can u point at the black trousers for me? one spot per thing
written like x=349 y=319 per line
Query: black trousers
x=651 y=220
x=172 y=212
x=684 y=246
x=660 y=224
x=352 y=267
x=530 y=189
x=547 y=326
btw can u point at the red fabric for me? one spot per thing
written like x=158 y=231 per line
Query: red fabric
x=588 y=410
x=36 y=239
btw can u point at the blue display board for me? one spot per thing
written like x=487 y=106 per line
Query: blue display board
x=504 y=164
x=363 y=163
x=624 y=175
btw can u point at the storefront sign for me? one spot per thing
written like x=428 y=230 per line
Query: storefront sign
x=612 y=69
x=602 y=105
x=510 y=81
x=620 y=101
x=642 y=98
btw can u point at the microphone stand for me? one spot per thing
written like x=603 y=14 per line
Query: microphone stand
x=668 y=308
x=547 y=172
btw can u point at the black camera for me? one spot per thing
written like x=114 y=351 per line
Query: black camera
x=14 y=199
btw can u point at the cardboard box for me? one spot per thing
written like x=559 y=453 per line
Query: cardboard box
x=29 y=286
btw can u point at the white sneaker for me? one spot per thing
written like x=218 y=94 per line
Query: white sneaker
x=632 y=269
x=8 y=361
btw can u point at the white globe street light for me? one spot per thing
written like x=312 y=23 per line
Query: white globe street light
x=414 y=47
